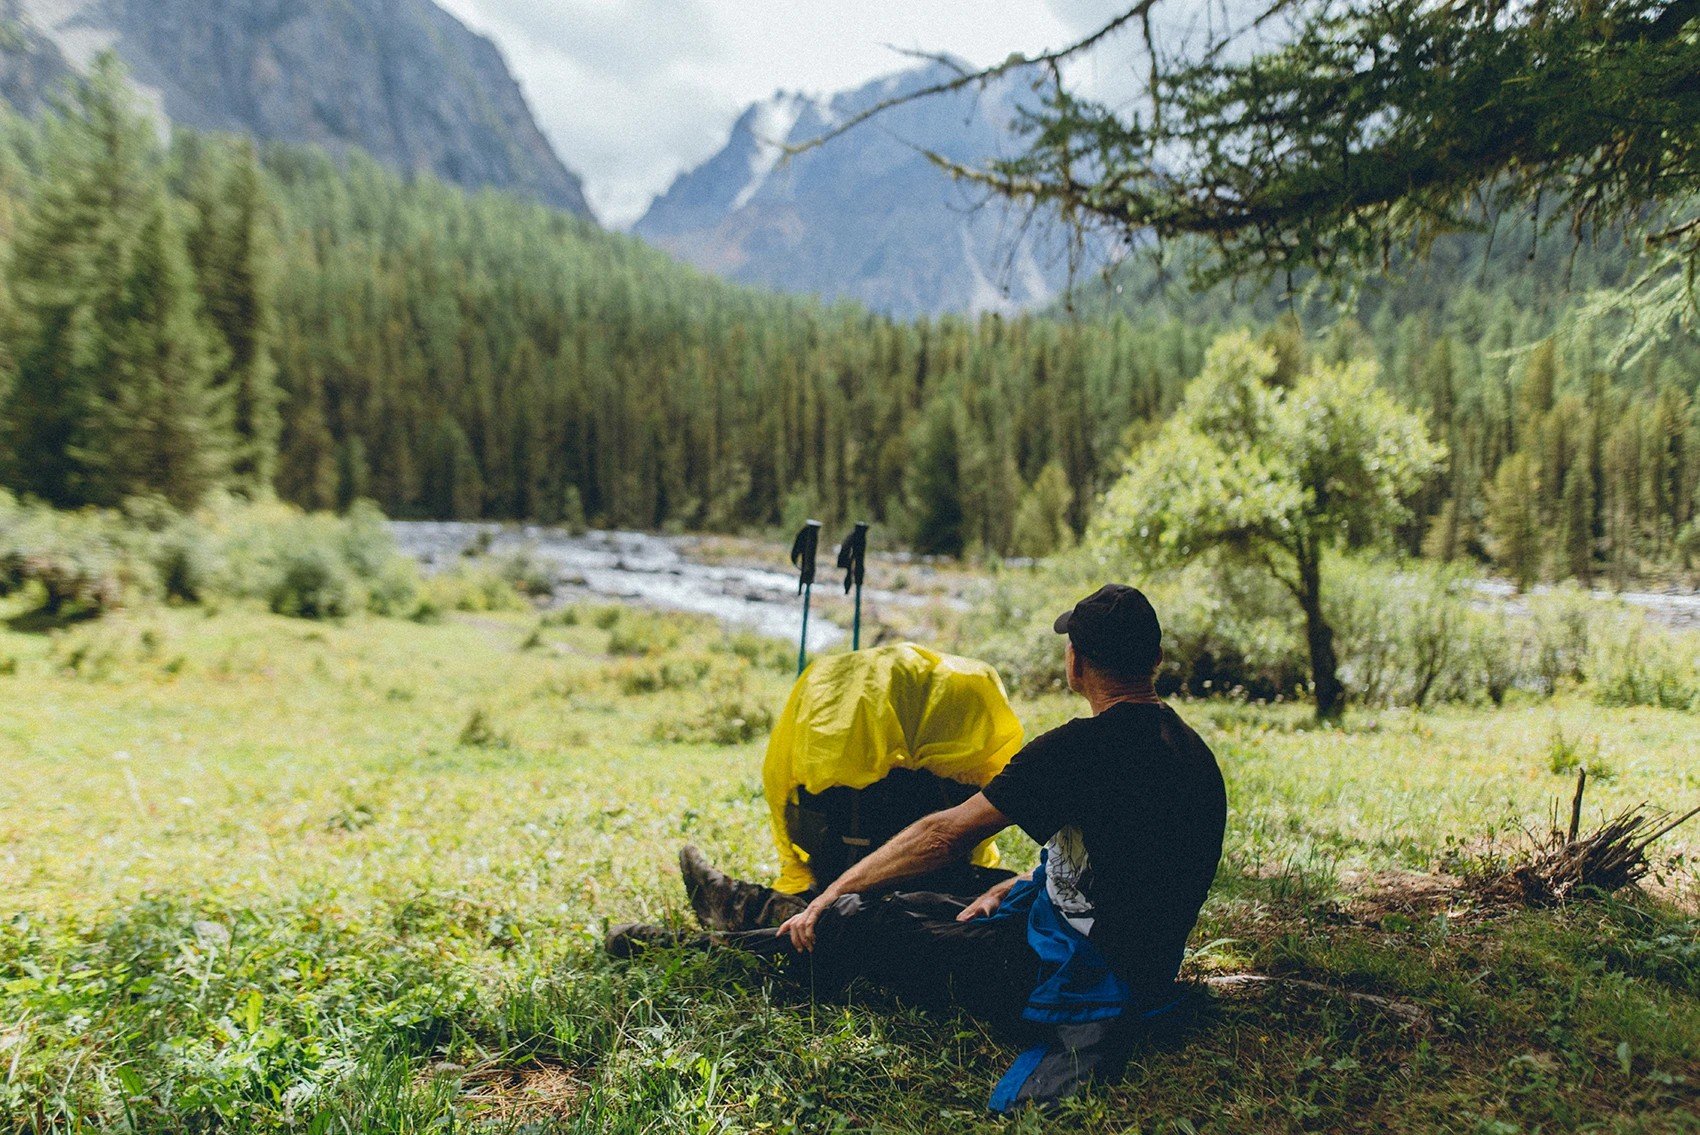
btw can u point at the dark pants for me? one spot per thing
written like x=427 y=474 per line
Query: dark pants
x=751 y=906
x=910 y=944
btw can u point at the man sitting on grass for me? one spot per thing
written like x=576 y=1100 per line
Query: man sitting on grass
x=1082 y=953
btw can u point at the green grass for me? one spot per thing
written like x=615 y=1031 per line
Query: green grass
x=262 y=874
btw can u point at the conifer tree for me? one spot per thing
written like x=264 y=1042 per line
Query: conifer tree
x=1513 y=520
x=1578 y=529
x=307 y=460
x=230 y=246
x=935 y=486
x=153 y=420
x=70 y=267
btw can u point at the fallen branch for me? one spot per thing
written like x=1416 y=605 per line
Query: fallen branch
x=1233 y=984
x=1566 y=864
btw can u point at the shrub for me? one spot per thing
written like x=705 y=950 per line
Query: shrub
x=639 y=633
x=480 y=733
x=1405 y=635
x=1223 y=631
x=1634 y=663
x=1489 y=665
x=635 y=677
x=72 y=561
x=469 y=588
x=186 y=564
x=314 y=566
x=312 y=583
x=733 y=716
x=759 y=651
x=1567 y=754
x=1408 y=633
x=1561 y=621
x=526 y=575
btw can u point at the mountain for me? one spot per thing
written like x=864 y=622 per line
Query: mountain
x=400 y=79
x=866 y=216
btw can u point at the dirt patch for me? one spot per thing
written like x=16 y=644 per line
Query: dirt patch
x=519 y=1093
x=1384 y=896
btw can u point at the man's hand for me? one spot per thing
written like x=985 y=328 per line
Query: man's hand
x=989 y=902
x=925 y=845
x=801 y=927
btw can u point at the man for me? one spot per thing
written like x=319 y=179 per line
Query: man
x=1083 y=952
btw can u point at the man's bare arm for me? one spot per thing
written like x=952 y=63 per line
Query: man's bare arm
x=925 y=845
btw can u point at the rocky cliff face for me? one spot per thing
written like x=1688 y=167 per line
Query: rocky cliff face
x=867 y=216
x=401 y=79
x=30 y=65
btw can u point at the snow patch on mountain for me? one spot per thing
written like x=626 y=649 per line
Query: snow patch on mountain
x=867 y=216
x=770 y=130
x=984 y=297
x=74 y=27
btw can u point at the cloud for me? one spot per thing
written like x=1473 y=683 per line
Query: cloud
x=633 y=38
x=632 y=92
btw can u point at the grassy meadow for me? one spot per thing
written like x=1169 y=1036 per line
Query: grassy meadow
x=260 y=873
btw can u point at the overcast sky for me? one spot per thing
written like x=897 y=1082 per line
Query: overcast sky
x=631 y=92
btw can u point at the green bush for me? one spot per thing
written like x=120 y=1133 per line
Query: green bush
x=1560 y=625
x=313 y=566
x=1635 y=663
x=527 y=575
x=318 y=566
x=72 y=562
x=638 y=633
x=759 y=651
x=646 y=676
x=1407 y=633
x=471 y=588
x=732 y=716
x=312 y=582
x=1223 y=631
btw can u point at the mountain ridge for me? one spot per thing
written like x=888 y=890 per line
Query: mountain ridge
x=868 y=216
x=403 y=80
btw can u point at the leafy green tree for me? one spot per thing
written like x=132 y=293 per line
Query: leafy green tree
x=1041 y=522
x=1274 y=476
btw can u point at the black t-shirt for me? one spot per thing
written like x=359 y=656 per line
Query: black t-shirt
x=1131 y=805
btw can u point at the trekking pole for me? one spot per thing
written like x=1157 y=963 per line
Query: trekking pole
x=853 y=558
x=803 y=558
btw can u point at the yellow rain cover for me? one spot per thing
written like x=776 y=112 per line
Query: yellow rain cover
x=852 y=718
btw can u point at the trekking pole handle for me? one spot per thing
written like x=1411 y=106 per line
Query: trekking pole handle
x=803 y=550
x=853 y=555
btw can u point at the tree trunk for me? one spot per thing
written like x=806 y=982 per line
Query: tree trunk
x=1324 y=665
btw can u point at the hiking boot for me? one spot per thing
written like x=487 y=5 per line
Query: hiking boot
x=712 y=892
x=631 y=938
x=722 y=903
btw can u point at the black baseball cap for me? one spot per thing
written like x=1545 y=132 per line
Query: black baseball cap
x=1116 y=628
